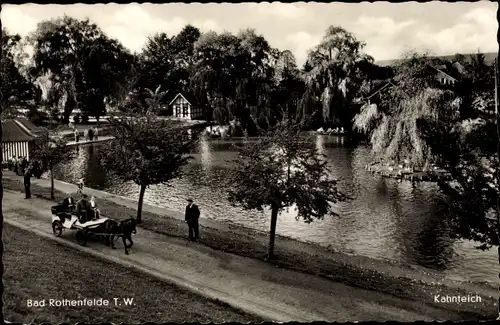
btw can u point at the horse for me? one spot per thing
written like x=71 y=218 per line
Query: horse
x=123 y=229
x=103 y=230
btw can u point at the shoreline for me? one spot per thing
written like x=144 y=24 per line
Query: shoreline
x=355 y=270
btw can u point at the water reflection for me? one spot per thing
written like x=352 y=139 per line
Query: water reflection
x=385 y=219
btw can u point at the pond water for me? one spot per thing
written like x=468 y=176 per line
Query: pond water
x=384 y=220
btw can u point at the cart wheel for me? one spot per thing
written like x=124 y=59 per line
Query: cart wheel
x=57 y=228
x=82 y=236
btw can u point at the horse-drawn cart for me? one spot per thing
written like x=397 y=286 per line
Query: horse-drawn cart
x=67 y=220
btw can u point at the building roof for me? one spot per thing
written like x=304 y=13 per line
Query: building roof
x=31 y=128
x=385 y=86
x=188 y=96
x=444 y=71
x=181 y=95
x=15 y=132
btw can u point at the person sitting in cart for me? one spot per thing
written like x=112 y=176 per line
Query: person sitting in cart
x=82 y=209
x=93 y=206
x=68 y=203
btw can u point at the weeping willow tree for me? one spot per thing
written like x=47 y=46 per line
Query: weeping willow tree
x=393 y=123
x=394 y=132
x=333 y=75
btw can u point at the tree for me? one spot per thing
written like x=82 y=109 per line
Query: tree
x=84 y=65
x=154 y=101
x=15 y=88
x=234 y=75
x=146 y=150
x=214 y=74
x=107 y=66
x=289 y=85
x=392 y=125
x=334 y=75
x=48 y=152
x=167 y=61
x=281 y=170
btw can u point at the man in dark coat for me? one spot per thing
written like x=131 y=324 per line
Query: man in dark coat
x=82 y=209
x=16 y=166
x=24 y=165
x=68 y=203
x=27 y=183
x=191 y=217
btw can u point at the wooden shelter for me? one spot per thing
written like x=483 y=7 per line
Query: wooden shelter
x=17 y=138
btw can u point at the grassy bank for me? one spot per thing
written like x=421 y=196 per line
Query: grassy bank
x=294 y=255
x=38 y=268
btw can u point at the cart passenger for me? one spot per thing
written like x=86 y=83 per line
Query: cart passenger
x=68 y=203
x=82 y=209
x=93 y=206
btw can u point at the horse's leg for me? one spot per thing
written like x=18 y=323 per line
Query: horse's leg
x=112 y=241
x=125 y=244
x=129 y=237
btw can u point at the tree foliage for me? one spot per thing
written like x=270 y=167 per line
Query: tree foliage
x=16 y=89
x=49 y=151
x=392 y=124
x=334 y=75
x=468 y=150
x=84 y=65
x=282 y=170
x=147 y=150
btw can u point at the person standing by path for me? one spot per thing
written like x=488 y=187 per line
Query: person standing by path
x=90 y=133
x=27 y=183
x=77 y=135
x=191 y=218
x=16 y=166
x=80 y=185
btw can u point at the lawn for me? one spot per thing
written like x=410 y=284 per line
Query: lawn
x=37 y=268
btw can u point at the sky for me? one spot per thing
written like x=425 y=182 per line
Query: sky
x=389 y=29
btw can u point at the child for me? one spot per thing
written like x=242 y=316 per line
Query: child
x=80 y=186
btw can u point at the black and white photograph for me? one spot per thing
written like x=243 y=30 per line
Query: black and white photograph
x=249 y=162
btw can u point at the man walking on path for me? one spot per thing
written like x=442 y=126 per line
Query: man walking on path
x=27 y=183
x=192 y=216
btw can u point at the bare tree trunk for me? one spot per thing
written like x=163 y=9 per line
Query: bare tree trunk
x=52 y=196
x=272 y=233
x=141 y=200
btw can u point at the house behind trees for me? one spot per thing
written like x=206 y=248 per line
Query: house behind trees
x=184 y=108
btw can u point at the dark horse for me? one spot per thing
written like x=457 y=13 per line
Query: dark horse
x=123 y=229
